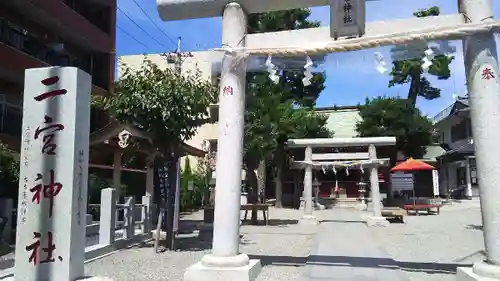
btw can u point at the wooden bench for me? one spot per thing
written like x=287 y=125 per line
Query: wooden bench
x=394 y=213
x=430 y=208
x=257 y=207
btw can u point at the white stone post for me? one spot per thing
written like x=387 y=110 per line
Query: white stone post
x=146 y=201
x=107 y=220
x=308 y=189
x=50 y=244
x=129 y=218
x=481 y=68
x=376 y=219
x=88 y=219
x=225 y=262
x=468 y=180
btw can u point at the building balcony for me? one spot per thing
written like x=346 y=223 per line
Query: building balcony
x=67 y=22
x=20 y=51
x=97 y=12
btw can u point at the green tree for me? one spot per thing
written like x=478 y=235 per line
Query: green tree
x=167 y=106
x=410 y=71
x=9 y=171
x=291 y=80
x=276 y=112
x=385 y=116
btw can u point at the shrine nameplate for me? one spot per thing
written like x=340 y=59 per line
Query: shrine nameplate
x=50 y=243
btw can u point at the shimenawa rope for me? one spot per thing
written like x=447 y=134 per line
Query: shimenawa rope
x=452 y=32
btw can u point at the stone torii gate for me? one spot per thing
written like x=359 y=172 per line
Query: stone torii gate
x=372 y=163
x=474 y=25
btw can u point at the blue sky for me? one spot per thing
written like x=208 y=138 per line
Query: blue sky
x=351 y=77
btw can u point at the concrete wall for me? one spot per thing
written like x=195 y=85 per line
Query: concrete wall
x=444 y=128
x=203 y=61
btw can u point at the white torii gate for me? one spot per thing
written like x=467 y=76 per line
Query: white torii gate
x=373 y=162
x=474 y=25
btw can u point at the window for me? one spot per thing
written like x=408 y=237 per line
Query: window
x=459 y=131
x=11 y=116
x=469 y=128
x=213 y=145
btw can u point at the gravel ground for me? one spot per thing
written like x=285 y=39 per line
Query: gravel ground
x=427 y=248
x=282 y=248
x=430 y=247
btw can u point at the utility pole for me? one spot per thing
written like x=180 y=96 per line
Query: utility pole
x=172 y=199
x=177 y=57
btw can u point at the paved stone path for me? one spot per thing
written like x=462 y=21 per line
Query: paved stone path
x=341 y=248
x=345 y=251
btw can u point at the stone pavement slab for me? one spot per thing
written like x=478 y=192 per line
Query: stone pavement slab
x=345 y=251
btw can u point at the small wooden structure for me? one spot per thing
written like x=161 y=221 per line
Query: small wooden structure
x=394 y=213
x=429 y=208
x=116 y=138
x=264 y=208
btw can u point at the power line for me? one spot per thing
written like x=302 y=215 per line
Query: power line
x=129 y=35
x=136 y=24
x=150 y=19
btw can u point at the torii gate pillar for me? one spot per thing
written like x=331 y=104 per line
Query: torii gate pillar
x=481 y=68
x=225 y=262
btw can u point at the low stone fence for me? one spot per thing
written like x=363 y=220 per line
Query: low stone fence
x=119 y=225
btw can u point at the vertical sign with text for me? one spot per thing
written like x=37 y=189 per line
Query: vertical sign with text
x=163 y=189
x=50 y=242
x=347 y=18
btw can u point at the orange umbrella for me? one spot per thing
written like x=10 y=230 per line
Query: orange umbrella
x=412 y=165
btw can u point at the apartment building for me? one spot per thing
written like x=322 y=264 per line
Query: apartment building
x=457 y=166
x=40 y=33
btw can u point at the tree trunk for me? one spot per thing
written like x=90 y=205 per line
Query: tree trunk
x=279 y=187
x=278 y=181
x=261 y=181
x=413 y=91
x=252 y=196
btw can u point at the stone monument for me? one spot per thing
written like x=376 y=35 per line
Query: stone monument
x=50 y=244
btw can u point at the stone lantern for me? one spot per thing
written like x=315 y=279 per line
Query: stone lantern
x=316 y=185
x=362 y=189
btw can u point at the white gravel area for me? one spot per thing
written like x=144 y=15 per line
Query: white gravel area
x=430 y=247
x=282 y=247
